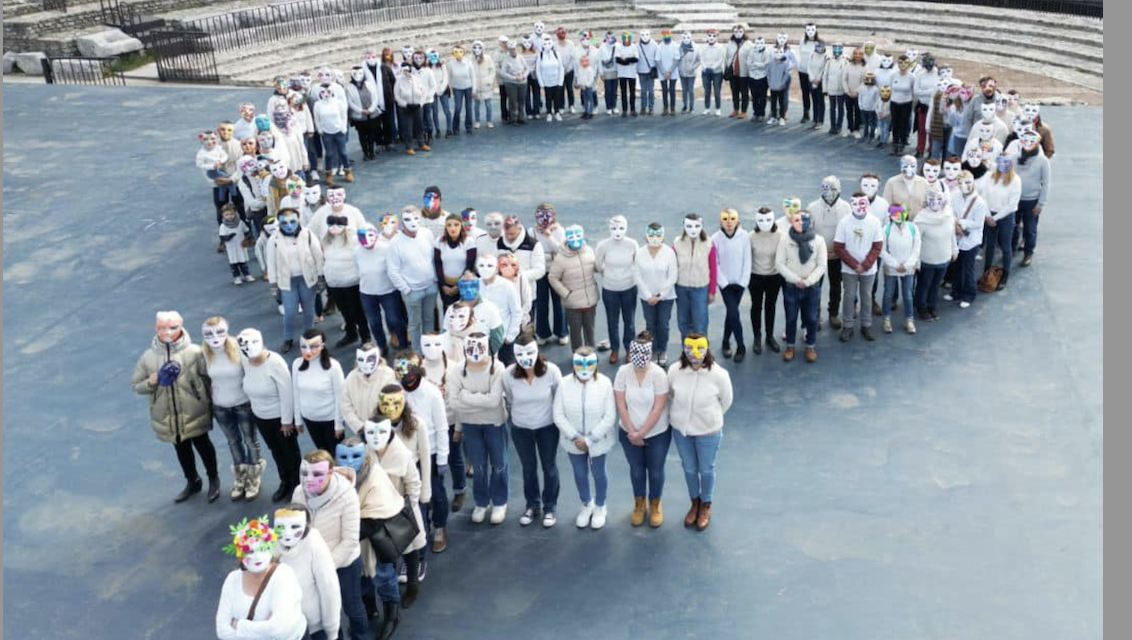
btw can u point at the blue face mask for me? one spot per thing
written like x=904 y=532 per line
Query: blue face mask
x=806 y=222
x=574 y=239
x=352 y=457
x=428 y=200
x=1003 y=164
x=434 y=58
x=289 y=226
x=469 y=290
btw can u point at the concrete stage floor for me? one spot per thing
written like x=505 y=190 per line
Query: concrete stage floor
x=942 y=485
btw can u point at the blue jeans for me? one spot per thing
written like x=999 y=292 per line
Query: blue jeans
x=836 y=112
x=713 y=84
x=534 y=99
x=350 y=584
x=336 y=155
x=890 y=284
x=437 y=513
x=583 y=464
x=620 y=307
x=224 y=192
x=486 y=102
x=957 y=144
x=589 y=101
x=964 y=285
x=648 y=86
x=691 y=310
x=688 y=92
x=536 y=446
x=314 y=150
x=463 y=104
x=428 y=112
x=236 y=423
x=1000 y=236
x=487 y=443
x=927 y=285
x=298 y=293
x=610 y=93
x=420 y=306
x=1026 y=218
x=388 y=305
x=733 y=322
x=657 y=318
x=817 y=102
x=697 y=456
x=546 y=301
x=869 y=119
x=885 y=126
x=668 y=94
x=445 y=101
x=646 y=464
x=808 y=302
x=456 y=467
x=385 y=582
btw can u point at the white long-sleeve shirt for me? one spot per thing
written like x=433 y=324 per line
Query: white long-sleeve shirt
x=901 y=247
x=410 y=262
x=317 y=390
x=330 y=116
x=1002 y=199
x=373 y=268
x=971 y=216
x=278 y=614
x=655 y=276
x=613 y=259
x=227 y=380
x=532 y=404
x=268 y=387
x=503 y=294
x=733 y=257
x=461 y=73
x=428 y=406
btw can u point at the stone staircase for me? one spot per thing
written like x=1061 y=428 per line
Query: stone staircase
x=696 y=16
x=39 y=30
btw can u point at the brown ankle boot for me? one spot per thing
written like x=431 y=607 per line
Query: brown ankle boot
x=704 y=519
x=656 y=516
x=693 y=514
x=638 y=511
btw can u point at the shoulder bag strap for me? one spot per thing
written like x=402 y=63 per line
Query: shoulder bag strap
x=262 y=588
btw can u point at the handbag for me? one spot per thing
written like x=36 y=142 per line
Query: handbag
x=652 y=67
x=262 y=588
x=988 y=283
x=395 y=534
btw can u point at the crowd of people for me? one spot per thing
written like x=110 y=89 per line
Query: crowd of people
x=448 y=317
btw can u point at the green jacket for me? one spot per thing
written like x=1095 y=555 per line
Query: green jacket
x=182 y=410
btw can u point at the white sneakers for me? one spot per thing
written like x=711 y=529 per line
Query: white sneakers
x=707 y=112
x=541 y=341
x=564 y=340
x=948 y=297
x=498 y=514
x=527 y=518
x=478 y=514
x=572 y=110
x=314 y=175
x=910 y=326
x=549 y=519
x=281 y=312
x=249 y=278
x=598 y=520
x=888 y=325
x=771 y=121
x=609 y=112
x=476 y=126
x=558 y=116
x=857 y=135
x=782 y=122
x=237 y=281
x=491 y=125
x=549 y=117
x=719 y=112
x=964 y=304
x=583 y=519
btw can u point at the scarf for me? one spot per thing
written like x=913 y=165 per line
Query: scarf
x=363 y=473
x=1026 y=155
x=977 y=172
x=803 y=240
x=318 y=502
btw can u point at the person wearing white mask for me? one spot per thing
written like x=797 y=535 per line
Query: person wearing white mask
x=765 y=282
x=614 y=261
x=858 y=242
x=736 y=70
x=969 y=220
x=529 y=386
x=782 y=62
x=647 y=70
x=713 y=56
x=805 y=52
x=689 y=61
x=938 y=249
x=305 y=551
x=758 y=60
x=826 y=213
x=505 y=296
x=654 y=273
x=411 y=272
x=878 y=208
x=231 y=408
x=267 y=383
x=585 y=414
x=486 y=77
x=362 y=386
x=907 y=188
x=1002 y=191
x=378 y=294
x=551 y=73
x=733 y=256
x=366 y=104
x=697 y=270
x=609 y=70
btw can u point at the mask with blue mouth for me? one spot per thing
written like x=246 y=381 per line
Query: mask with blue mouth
x=289 y=223
x=575 y=237
x=469 y=289
x=807 y=221
x=585 y=366
x=350 y=453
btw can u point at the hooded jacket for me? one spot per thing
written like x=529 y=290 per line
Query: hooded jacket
x=182 y=410
x=336 y=515
x=572 y=277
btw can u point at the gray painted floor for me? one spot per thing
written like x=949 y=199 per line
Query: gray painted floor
x=943 y=485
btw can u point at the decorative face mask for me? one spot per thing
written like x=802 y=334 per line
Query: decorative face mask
x=469 y=218
x=830 y=189
x=967 y=185
x=215 y=335
x=951 y=170
x=389 y=225
x=986 y=131
x=1002 y=102
x=729 y=221
x=859 y=207
x=931 y=173
x=870 y=48
x=262 y=122
x=987 y=111
x=764 y=220
x=1030 y=140
x=790 y=206
x=249 y=147
x=781 y=40
x=310 y=348
x=526 y=355
x=885 y=92
x=695 y=349
x=585 y=366
x=737 y=33
x=247 y=165
x=544 y=218
x=897 y=214
x=711 y=37
x=270 y=226
x=547 y=44
x=655 y=237
x=640 y=353
x=618 y=226
x=432 y=347
x=811 y=30
x=294 y=186
x=433 y=57
x=263 y=163
x=693 y=227
x=819 y=47
x=1021 y=126
x=207 y=139
x=168 y=326
x=350 y=456
x=377 y=434
x=935 y=200
x=292 y=526
x=575 y=237
x=927 y=61
x=279 y=170
x=760 y=44
x=392 y=405
x=367 y=360
x=974 y=156
x=314 y=476
x=459 y=318
x=869 y=186
x=336 y=197
x=805 y=221
x=250 y=342
x=946 y=72
x=528 y=44
x=411 y=221
x=666 y=36
x=477 y=49
x=406 y=52
x=1003 y=164
x=357 y=74
x=493 y=224
x=289 y=224
x=885 y=61
x=838 y=50
x=253 y=543
x=486 y=266
x=476 y=348
x=1030 y=110
x=265 y=140
x=508 y=267
x=908 y=166
x=418 y=60
x=540 y=28
x=469 y=289
x=458 y=53
x=247 y=111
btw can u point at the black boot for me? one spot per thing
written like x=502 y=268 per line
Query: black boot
x=192 y=487
x=412 y=590
x=287 y=346
x=391 y=619
x=213 y=488
x=771 y=343
x=757 y=345
x=726 y=349
x=282 y=493
x=740 y=353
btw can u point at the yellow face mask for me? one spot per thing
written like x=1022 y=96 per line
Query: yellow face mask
x=729 y=220
x=790 y=206
x=695 y=349
x=392 y=405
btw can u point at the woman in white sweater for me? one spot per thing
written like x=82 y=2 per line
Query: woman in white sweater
x=231 y=408
x=614 y=259
x=901 y=259
x=1002 y=191
x=654 y=272
x=529 y=386
x=641 y=392
x=267 y=383
x=318 y=384
x=328 y=492
x=701 y=395
x=294 y=268
x=586 y=416
x=340 y=270
x=278 y=613
x=733 y=257
x=938 y=249
x=475 y=394
x=378 y=295
x=306 y=553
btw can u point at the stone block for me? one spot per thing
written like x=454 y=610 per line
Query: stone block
x=29 y=62
x=9 y=61
x=107 y=44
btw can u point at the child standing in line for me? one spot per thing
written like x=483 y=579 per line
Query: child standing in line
x=234 y=234
x=585 y=80
x=884 y=115
x=868 y=98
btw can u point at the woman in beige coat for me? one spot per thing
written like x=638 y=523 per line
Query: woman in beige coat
x=414 y=435
x=572 y=278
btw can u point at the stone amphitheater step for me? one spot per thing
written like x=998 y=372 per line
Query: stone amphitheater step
x=13 y=8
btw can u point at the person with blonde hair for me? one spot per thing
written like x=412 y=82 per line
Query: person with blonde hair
x=586 y=416
x=231 y=408
x=1002 y=191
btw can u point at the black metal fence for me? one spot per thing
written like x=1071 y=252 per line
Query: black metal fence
x=1086 y=8
x=75 y=70
x=260 y=25
x=184 y=56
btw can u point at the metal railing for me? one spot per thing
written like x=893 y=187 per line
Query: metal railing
x=76 y=70
x=297 y=19
x=184 y=56
x=1086 y=8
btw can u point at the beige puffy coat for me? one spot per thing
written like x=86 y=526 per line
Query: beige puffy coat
x=184 y=409
x=572 y=277
x=337 y=518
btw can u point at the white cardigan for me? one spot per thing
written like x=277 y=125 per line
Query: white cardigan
x=587 y=411
x=278 y=615
x=699 y=398
x=318 y=579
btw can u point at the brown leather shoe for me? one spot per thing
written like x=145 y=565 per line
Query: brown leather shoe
x=693 y=514
x=704 y=519
x=656 y=514
x=788 y=354
x=811 y=355
x=439 y=540
x=638 y=517
x=613 y=358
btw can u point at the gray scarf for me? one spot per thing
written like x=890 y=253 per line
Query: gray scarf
x=803 y=239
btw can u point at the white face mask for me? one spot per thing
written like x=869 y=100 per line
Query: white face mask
x=279 y=169
x=293 y=528
x=860 y=207
x=1030 y=111
x=645 y=36
x=618 y=225
x=336 y=197
x=986 y=131
x=411 y=220
x=987 y=111
x=693 y=228
x=250 y=342
x=711 y=38
x=432 y=347
x=686 y=38
x=367 y=360
x=931 y=173
x=357 y=74
x=966 y=186
x=951 y=170
x=486 y=266
x=312 y=194
x=526 y=355
x=869 y=186
x=760 y=44
x=782 y=39
x=974 y=157
x=215 y=335
x=935 y=201
x=377 y=434
x=493 y=224
x=764 y=221
x=476 y=349
x=908 y=168
x=811 y=30
x=257 y=561
x=459 y=318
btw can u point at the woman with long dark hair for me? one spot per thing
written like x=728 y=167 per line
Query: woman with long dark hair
x=529 y=386
x=318 y=389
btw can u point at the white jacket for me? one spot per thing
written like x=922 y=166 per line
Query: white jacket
x=699 y=398
x=411 y=89
x=278 y=615
x=549 y=68
x=733 y=257
x=587 y=411
x=397 y=461
x=310 y=258
x=901 y=247
x=337 y=516
x=318 y=579
x=360 y=395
